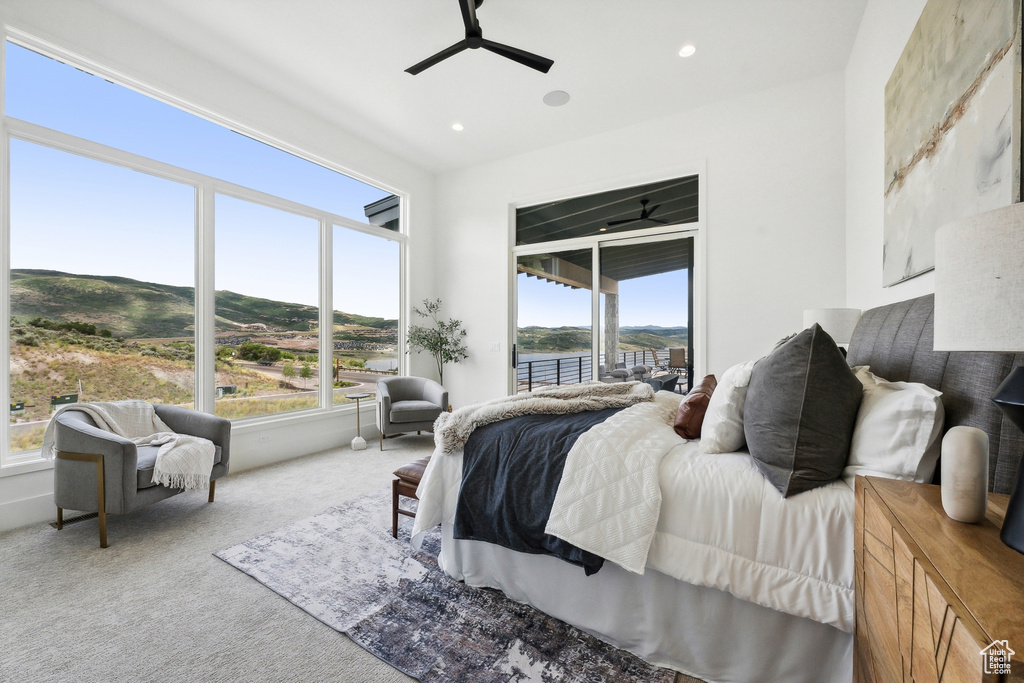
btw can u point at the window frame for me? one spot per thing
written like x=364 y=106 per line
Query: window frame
x=206 y=188
x=696 y=230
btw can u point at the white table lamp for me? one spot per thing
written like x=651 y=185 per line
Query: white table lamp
x=979 y=306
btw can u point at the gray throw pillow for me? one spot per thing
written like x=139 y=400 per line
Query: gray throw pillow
x=800 y=412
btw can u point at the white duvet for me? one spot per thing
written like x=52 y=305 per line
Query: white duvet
x=609 y=498
x=718 y=523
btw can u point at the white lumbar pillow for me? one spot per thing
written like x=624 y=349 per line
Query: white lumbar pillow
x=897 y=430
x=722 y=431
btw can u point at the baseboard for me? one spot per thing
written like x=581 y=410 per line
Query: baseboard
x=251 y=446
x=19 y=513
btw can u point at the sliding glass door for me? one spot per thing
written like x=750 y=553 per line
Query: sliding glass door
x=646 y=308
x=554 y=334
x=642 y=309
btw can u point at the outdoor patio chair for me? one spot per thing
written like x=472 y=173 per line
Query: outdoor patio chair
x=641 y=372
x=616 y=375
x=658 y=364
x=666 y=382
x=677 y=359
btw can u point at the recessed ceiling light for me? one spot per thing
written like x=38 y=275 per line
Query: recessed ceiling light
x=687 y=50
x=601 y=229
x=458 y=127
x=556 y=98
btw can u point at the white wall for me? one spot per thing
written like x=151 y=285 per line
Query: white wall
x=884 y=30
x=96 y=34
x=775 y=220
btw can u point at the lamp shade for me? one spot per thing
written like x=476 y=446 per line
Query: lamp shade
x=979 y=306
x=979 y=282
x=838 y=322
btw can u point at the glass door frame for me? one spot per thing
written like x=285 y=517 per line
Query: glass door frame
x=595 y=242
x=691 y=295
x=579 y=251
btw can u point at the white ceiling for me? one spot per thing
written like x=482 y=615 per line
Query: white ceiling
x=618 y=59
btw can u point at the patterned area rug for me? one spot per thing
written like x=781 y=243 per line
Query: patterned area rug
x=344 y=568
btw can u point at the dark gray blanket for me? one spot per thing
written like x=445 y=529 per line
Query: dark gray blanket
x=510 y=474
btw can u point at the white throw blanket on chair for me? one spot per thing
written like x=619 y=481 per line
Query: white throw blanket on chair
x=452 y=430
x=183 y=461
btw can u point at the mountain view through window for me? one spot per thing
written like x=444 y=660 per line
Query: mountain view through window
x=103 y=260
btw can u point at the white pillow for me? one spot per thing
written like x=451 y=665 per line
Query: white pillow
x=897 y=430
x=722 y=431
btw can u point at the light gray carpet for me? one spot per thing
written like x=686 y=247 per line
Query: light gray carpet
x=158 y=606
x=344 y=568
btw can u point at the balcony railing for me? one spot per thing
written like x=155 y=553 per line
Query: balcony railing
x=543 y=372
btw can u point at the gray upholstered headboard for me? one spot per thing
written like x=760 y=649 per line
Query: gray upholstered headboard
x=896 y=341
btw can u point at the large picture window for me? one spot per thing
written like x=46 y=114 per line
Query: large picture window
x=365 y=344
x=268 y=327
x=127 y=214
x=102 y=303
x=70 y=100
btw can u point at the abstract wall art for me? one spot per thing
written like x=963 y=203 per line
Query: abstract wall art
x=952 y=127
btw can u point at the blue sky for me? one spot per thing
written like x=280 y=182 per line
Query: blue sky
x=81 y=216
x=652 y=300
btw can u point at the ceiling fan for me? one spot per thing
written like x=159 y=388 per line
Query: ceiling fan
x=475 y=39
x=645 y=215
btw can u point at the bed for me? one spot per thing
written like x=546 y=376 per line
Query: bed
x=739 y=583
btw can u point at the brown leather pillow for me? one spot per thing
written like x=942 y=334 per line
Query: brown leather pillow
x=690 y=417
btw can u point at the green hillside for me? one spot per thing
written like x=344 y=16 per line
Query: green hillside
x=566 y=339
x=631 y=339
x=126 y=307
x=133 y=309
x=534 y=339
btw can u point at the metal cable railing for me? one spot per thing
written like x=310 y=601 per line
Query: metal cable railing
x=555 y=371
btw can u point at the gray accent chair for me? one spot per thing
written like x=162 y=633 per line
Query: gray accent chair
x=99 y=471
x=408 y=404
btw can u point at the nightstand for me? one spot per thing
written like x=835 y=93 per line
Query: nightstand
x=932 y=593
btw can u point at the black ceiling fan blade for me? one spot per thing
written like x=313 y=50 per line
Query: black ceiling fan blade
x=637 y=220
x=648 y=212
x=440 y=56
x=469 y=17
x=525 y=58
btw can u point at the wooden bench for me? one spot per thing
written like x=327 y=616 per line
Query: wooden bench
x=407 y=479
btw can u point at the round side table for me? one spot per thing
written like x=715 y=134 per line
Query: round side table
x=358 y=443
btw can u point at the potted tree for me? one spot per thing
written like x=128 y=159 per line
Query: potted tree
x=443 y=340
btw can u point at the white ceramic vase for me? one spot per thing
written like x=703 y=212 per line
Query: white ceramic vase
x=965 y=474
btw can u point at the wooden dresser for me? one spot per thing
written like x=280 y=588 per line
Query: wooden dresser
x=931 y=592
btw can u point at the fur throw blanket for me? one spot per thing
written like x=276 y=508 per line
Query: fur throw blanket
x=183 y=461
x=452 y=430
